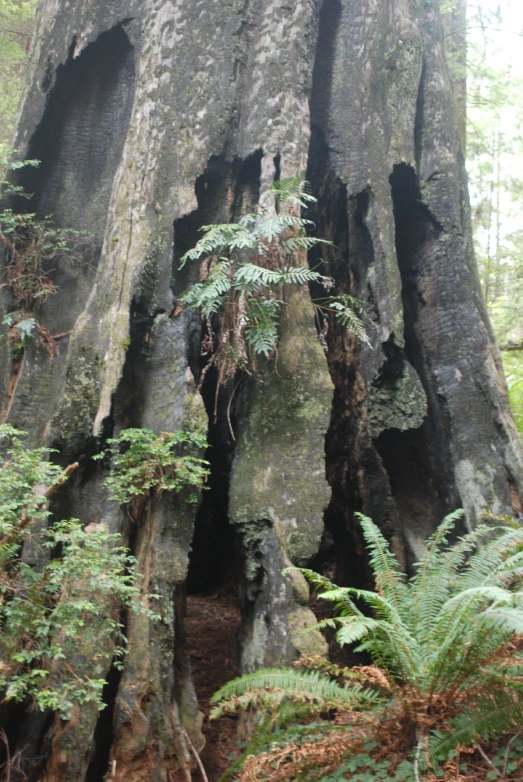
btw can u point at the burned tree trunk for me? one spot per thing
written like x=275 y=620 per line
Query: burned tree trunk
x=153 y=118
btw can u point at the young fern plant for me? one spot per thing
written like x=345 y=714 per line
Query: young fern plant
x=445 y=646
x=244 y=269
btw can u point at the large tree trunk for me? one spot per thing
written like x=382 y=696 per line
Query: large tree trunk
x=155 y=117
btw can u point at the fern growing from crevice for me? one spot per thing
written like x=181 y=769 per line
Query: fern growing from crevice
x=447 y=665
x=245 y=268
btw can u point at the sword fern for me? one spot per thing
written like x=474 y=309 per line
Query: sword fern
x=445 y=641
x=245 y=270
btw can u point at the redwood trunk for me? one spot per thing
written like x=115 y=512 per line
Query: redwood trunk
x=153 y=118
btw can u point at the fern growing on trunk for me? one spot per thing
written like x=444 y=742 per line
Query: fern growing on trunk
x=245 y=268
x=447 y=670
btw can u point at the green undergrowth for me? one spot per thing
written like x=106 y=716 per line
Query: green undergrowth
x=69 y=601
x=446 y=679
x=145 y=463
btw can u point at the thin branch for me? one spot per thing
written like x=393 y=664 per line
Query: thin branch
x=507 y=751
x=196 y=756
x=14 y=32
x=512 y=346
x=416 y=759
x=229 y=409
x=25 y=518
x=475 y=27
x=488 y=760
x=3 y=737
x=61 y=480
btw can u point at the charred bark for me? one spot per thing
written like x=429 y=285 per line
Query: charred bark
x=153 y=118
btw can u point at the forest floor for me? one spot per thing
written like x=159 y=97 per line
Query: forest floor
x=212 y=623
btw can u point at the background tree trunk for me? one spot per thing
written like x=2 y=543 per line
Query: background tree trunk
x=155 y=117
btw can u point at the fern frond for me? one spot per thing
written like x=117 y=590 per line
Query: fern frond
x=303 y=243
x=495 y=714
x=300 y=275
x=250 y=275
x=273 y=227
x=261 y=329
x=243 y=240
x=345 y=606
x=216 y=238
x=437 y=571
x=291 y=190
x=385 y=567
x=506 y=619
x=348 y=318
x=208 y=296
x=243 y=692
x=487 y=563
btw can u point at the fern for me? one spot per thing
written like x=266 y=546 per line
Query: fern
x=345 y=309
x=261 y=329
x=445 y=642
x=272 y=685
x=248 y=263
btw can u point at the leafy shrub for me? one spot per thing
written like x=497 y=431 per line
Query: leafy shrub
x=245 y=267
x=46 y=611
x=145 y=462
x=447 y=662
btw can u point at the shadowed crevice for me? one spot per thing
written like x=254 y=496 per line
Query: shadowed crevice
x=80 y=138
x=424 y=487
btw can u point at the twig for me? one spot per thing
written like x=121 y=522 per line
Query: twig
x=8 y=243
x=512 y=346
x=17 y=367
x=3 y=736
x=196 y=756
x=488 y=760
x=14 y=32
x=61 y=480
x=25 y=518
x=62 y=334
x=416 y=760
x=229 y=403
x=513 y=738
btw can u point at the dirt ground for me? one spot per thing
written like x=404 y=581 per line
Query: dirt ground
x=212 y=624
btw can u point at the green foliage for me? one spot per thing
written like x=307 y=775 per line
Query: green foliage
x=362 y=767
x=16 y=26
x=21 y=329
x=345 y=308
x=34 y=248
x=513 y=366
x=446 y=671
x=76 y=594
x=494 y=151
x=33 y=245
x=268 y=688
x=145 y=462
x=245 y=267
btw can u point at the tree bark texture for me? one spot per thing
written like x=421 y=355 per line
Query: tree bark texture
x=153 y=118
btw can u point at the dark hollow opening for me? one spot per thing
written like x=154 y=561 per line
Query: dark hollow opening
x=211 y=623
x=80 y=138
x=418 y=461
x=104 y=732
